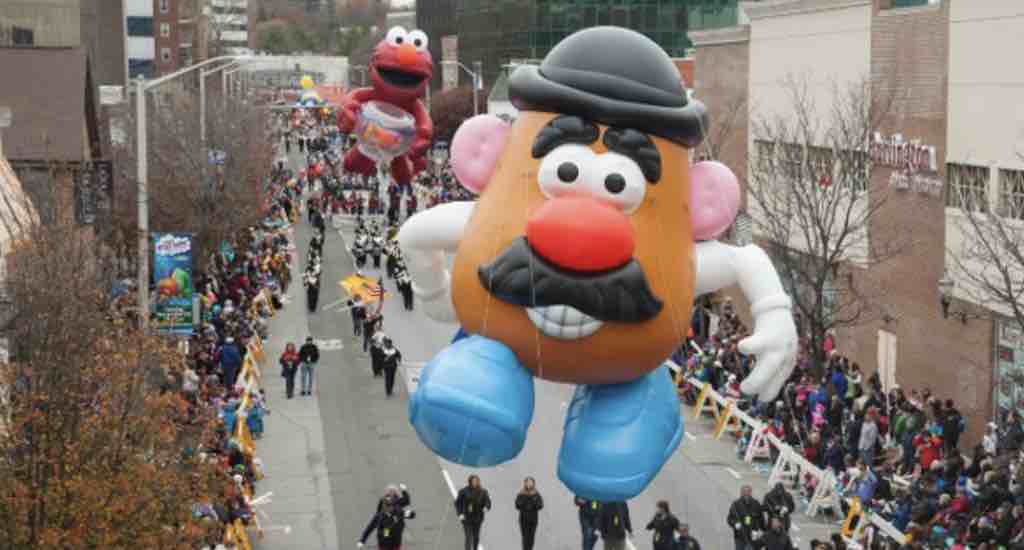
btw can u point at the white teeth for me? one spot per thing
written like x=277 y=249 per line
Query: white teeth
x=563 y=322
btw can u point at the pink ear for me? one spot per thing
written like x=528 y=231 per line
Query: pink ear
x=475 y=149
x=714 y=199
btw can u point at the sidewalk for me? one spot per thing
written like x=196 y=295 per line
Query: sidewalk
x=292 y=449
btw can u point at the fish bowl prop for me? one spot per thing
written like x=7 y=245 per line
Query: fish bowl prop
x=384 y=131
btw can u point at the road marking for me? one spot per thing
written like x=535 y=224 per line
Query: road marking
x=448 y=480
x=330 y=345
x=690 y=436
x=734 y=473
x=629 y=543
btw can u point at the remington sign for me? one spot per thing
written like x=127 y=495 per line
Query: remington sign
x=909 y=156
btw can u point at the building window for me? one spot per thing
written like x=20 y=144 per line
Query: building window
x=165 y=6
x=22 y=37
x=1011 y=194
x=140 y=26
x=821 y=164
x=165 y=30
x=165 y=55
x=855 y=170
x=967 y=187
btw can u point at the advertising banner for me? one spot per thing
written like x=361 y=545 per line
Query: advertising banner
x=172 y=271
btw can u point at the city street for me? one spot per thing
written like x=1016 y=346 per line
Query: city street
x=330 y=456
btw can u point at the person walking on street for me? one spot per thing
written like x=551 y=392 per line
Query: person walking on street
x=778 y=503
x=746 y=519
x=371 y=324
x=590 y=511
x=471 y=504
x=614 y=525
x=685 y=541
x=405 y=287
x=312 y=283
x=529 y=503
x=377 y=353
x=390 y=359
x=664 y=525
x=289 y=366
x=309 y=354
x=389 y=520
x=358 y=312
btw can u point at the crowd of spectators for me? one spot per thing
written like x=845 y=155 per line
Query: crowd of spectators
x=898 y=453
x=241 y=288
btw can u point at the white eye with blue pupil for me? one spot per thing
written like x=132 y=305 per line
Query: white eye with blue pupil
x=419 y=39
x=618 y=180
x=397 y=36
x=563 y=170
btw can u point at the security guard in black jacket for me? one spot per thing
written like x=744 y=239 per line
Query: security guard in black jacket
x=389 y=521
x=685 y=541
x=746 y=520
x=590 y=511
x=778 y=503
x=471 y=504
x=614 y=525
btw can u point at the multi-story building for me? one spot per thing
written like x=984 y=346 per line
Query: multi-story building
x=227 y=27
x=497 y=31
x=179 y=32
x=141 y=44
x=96 y=25
x=943 y=141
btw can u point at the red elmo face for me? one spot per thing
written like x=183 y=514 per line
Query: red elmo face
x=401 y=66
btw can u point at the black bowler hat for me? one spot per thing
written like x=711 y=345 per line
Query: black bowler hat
x=614 y=76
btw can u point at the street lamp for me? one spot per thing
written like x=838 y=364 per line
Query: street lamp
x=946 y=287
x=143 y=86
x=478 y=80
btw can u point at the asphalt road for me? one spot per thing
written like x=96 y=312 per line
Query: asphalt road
x=368 y=443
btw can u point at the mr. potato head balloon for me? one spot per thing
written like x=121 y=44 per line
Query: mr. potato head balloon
x=579 y=264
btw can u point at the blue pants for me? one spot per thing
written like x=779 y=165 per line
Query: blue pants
x=307 y=377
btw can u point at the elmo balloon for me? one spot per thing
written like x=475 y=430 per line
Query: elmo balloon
x=400 y=71
x=580 y=263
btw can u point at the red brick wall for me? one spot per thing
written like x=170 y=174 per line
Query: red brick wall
x=909 y=53
x=171 y=42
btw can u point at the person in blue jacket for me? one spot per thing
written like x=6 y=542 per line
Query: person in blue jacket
x=230 y=362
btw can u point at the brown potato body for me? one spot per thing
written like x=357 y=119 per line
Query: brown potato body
x=617 y=352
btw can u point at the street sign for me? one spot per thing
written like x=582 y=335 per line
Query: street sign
x=111 y=95
x=218 y=158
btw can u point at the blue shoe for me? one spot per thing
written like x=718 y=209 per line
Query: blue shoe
x=474 y=403
x=618 y=436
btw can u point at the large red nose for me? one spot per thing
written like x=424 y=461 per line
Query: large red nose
x=581 y=234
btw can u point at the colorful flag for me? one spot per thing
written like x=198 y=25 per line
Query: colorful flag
x=364 y=287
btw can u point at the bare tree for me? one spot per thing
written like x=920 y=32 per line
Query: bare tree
x=813 y=202
x=729 y=116
x=990 y=256
x=188 y=192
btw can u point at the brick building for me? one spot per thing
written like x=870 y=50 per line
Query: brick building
x=904 y=49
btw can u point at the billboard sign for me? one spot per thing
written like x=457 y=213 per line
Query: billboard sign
x=172 y=271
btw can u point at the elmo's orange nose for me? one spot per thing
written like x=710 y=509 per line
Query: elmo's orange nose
x=407 y=54
x=581 y=234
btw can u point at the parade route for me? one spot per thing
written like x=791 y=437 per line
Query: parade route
x=338 y=449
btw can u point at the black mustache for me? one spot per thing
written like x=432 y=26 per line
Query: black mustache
x=520 y=277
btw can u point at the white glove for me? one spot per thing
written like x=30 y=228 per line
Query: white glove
x=756 y=535
x=359 y=544
x=462 y=517
x=409 y=514
x=737 y=526
x=774 y=342
x=403 y=487
x=785 y=510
